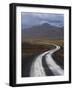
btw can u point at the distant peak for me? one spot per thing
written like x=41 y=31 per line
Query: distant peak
x=46 y=24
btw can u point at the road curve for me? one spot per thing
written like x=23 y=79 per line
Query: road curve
x=37 y=70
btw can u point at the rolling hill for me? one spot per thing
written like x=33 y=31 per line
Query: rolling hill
x=43 y=31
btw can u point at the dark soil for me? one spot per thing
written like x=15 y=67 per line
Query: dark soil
x=59 y=57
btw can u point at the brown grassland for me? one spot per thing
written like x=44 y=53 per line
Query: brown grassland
x=30 y=47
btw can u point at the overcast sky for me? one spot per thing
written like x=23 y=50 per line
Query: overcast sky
x=29 y=19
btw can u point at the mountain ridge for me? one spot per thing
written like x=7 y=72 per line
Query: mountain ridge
x=44 y=30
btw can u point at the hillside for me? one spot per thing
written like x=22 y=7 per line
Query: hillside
x=43 y=31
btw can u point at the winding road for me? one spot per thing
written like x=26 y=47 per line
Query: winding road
x=45 y=60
